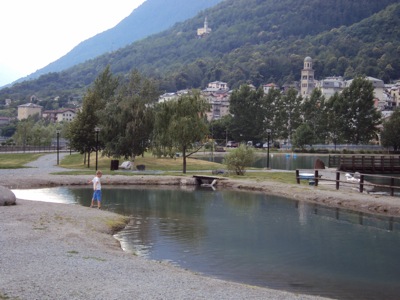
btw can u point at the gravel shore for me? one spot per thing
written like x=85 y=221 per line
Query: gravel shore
x=59 y=251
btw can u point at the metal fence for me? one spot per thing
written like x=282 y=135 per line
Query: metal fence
x=32 y=149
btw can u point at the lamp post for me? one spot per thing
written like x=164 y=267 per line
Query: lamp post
x=58 y=146
x=268 y=136
x=97 y=129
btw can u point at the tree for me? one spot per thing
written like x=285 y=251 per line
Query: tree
x=390 y=135
x=334 y=119
x=238 y=159
x=360 y=118
x=163 y=145
x=288 y=116
x=81 y=131
x=248 y=114
x=303 y=136
x=183 y=122
x=127 y=120
x=313 y=112
x=220 y=128
x=271 y=102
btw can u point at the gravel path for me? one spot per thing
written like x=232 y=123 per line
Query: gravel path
x=59 y=251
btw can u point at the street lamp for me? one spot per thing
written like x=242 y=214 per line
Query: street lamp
x=268 y=136
x=58 y=146
x=97 y=129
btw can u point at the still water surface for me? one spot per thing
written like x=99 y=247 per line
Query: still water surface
x=279 y=161
x=255 y=238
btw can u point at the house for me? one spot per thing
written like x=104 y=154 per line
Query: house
x=4 y=120
x=217 y=86
x=61 y=115
x=269 y=86
x=331 y=85
x=29 y=109
x=167 y=97
x=219 y=102
x=395 y=94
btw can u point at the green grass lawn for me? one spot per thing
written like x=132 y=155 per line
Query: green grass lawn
x=17 y=160
x=168 y=166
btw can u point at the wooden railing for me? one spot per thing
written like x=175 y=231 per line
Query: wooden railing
x=360 y=182
x=365 y=164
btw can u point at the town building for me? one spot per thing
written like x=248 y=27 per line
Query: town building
x=269 y=86
x=219 y=102
x=394 y=92
x=4 y=120
x=167 y=97
x=205 y=30
x=61 y=115
x=307 y=83
x=331 y=85
x=29 y=109
x=217 y=86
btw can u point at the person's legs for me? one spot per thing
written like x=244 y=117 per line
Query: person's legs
x=97 y=197
x=93 y=198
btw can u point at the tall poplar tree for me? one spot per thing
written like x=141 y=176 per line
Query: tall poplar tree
x=183 y=122
x=127 y=120
x=246 y=107
x=360 y=117
x=390 y=135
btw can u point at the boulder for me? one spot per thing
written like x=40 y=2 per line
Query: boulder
x=6 y=196
x=319 y=164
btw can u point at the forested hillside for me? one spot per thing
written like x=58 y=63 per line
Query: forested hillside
x=251 y=41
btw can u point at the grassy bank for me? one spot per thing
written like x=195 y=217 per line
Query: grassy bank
x=17 y=160
x=74 y=165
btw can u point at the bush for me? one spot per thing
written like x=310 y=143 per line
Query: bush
x=237 y=160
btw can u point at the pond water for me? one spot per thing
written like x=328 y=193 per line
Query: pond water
x=279 y=161
x=254 y=238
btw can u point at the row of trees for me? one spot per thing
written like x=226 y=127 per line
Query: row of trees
x=349 y=117
x=130 y=121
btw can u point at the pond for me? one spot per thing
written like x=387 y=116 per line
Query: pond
x=279 y=161
x=254 y=238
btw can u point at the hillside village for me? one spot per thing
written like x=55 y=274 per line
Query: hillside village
x=387 y=96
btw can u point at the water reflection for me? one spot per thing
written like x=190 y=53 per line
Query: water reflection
x=259 y=239
x=279 y=161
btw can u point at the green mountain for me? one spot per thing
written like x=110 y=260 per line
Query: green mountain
x=149 y=18
x=251 y=41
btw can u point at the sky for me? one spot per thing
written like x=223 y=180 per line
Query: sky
x=34 y=33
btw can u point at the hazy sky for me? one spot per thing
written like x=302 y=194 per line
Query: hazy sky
x=35 y=33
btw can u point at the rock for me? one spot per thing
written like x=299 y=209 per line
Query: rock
x=6 y=197
x=319 y=164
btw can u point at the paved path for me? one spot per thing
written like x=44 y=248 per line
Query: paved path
x=43 y=165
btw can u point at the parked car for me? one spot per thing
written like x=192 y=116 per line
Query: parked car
x=232 y=144
x=255 y=144
x=265 y=145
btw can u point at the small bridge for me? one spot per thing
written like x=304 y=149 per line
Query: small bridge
x=365 y=164
x=204 y=180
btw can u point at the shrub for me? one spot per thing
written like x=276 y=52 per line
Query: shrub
x=237 y=160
